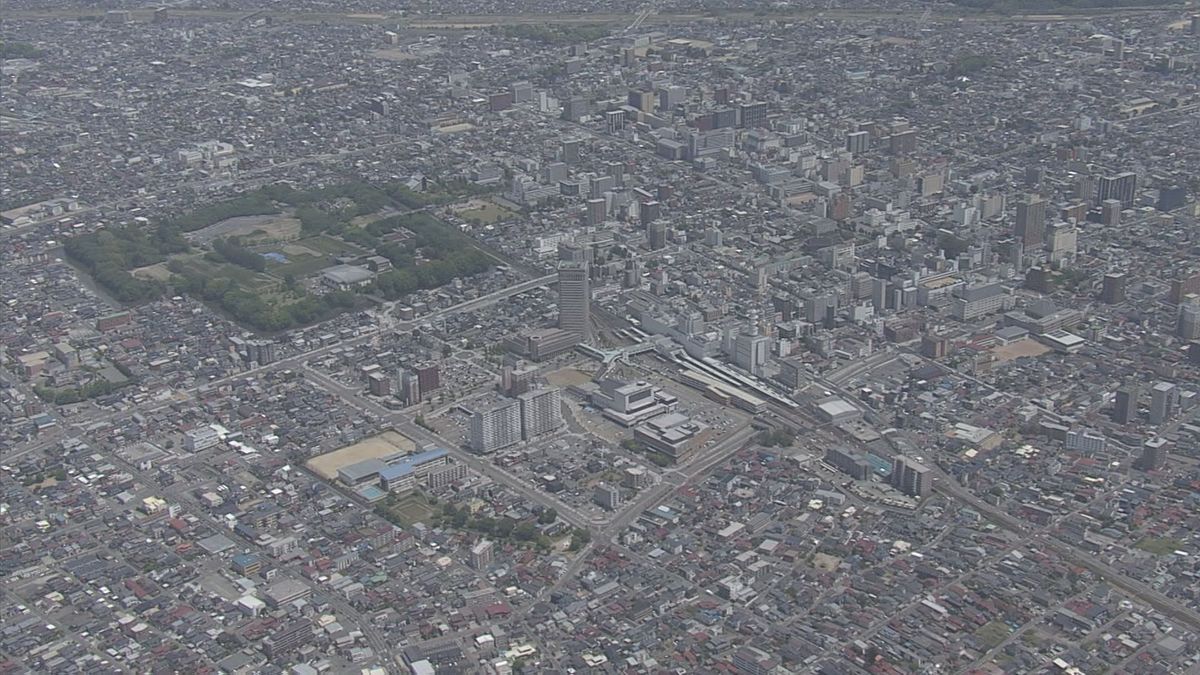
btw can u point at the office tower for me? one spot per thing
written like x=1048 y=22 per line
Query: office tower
x=379 y=385
x=1085 y=189
x=607 y=496
x=500 y=101
x=522 y=92
x=541 y=412
x=568 y=151
x=650 y=211
x=633 y=274
x=1162 y=402
x=428 y=376
x=595 y=212
x=1030 y=227
x=1122 y=187
x=911 y=477
x=752 y=114
x=669 y=97
x=1110 y=212
x=1034 y=175
x=642 y=100
x=656 y=235
x=496 y=427
x=1170 y=198
x=1061 y=241
x=410 y=387
x=575 y=109
x=617 y=171
x=858 y=142
x=615 y=120
x=1188 y=325
x=1125 y=407
x=903 y=142
x=600 y=185
x=750 y=352
x=1113 y=291
x=1183 y=285
x=575 y=299
x=481 y=555
x=1154 y=454
x=879 y=294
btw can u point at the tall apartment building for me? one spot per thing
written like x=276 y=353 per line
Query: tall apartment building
x=481 y=555
x=910 y=476
x=541 y=412
x=496 y=427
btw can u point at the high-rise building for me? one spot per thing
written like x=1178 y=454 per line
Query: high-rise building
x=650 y=211
x=575 y=299
x=1171 y=197
x=656 y=235
x=1030 y=227
x=1085 y=189
x=615 y=120
x=903 y=142
x=1188 y=326
x=911 y=477
x=522 y=92
x=858 y=142
x=575 y=109
x=497 y=426
x=541 y=412
x=1113 y=291
x=1154 y=454
x=1122 y=187
x=596 y=212
x=568 y=151
x=750 y=352
x=1163 y=397
x=1110 y=212
x=428 y=376
x=1183 y=286
x=752 y=114
x=481 y=555
x=1125 y=407
x=410 y=387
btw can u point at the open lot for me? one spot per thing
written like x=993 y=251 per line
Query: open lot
x=1020 y=348
x=381 y=445
x=277 y=227
x=483 y=211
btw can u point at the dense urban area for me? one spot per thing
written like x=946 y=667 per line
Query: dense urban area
x=600 y=337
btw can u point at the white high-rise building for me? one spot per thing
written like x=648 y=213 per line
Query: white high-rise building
x=541 y=412
x=496 y=427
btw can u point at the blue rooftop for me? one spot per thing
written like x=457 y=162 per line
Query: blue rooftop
x=405 y=466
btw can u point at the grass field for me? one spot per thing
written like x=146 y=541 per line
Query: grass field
x=247 y=279
x=1160 y=545
x=484 y=212
x=409 y=509
x=299 y=265
x=992 y=634
x=328 y=245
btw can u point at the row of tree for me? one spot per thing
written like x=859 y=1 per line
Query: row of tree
x=231 y=249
